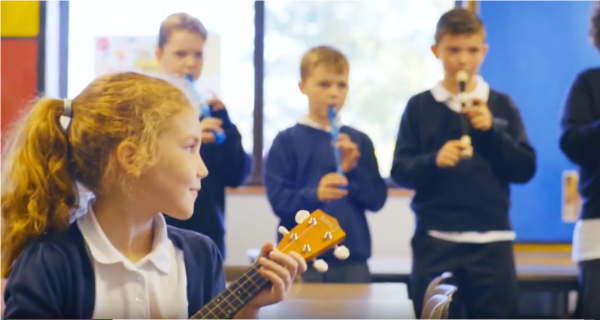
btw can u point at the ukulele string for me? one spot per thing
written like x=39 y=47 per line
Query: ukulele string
x=249 y=279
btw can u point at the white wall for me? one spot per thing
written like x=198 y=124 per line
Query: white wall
x=250 y=223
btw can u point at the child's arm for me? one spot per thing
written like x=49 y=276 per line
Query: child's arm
x=232 y=164
x=509 y=149
x=36 y=285
x=365 y=184
x=580 y=132
x=412 y=168
x=285 y=198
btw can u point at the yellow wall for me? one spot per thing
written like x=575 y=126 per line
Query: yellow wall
x=20 y=19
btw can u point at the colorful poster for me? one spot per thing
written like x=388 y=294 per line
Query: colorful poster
x=137 y=53
x=571 y=199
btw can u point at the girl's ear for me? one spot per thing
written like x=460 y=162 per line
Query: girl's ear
x=126 y=157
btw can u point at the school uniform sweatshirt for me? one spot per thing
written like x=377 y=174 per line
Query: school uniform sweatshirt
x=228 y=166
x=580 y=138
x=53 y=278
x=580 y=142
x=297 y=160
x=474 y=195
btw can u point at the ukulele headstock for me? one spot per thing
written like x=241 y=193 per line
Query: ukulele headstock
x=314 y=234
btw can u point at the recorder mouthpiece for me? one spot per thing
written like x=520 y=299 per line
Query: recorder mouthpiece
x=462 y=77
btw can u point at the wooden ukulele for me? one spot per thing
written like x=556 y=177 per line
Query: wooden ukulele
x=314 y=234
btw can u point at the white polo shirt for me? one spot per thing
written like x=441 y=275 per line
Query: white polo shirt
x=586 y=240
x=155 y=287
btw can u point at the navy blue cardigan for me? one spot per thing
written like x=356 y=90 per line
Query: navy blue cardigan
x=54 y=277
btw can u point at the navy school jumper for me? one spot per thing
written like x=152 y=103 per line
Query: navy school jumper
x=53 y=278
x=299 y=157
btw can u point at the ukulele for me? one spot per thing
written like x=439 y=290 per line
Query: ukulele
x=314 y=234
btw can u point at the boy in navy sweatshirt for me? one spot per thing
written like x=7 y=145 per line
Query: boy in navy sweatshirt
x=580 y=142
x=462 y=204
x=300 y=168
x=181 y=42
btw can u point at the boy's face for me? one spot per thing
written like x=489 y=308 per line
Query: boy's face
x=183 y=54
x=323 y=87
x=461 y=52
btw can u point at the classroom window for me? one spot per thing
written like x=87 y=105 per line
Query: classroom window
x=235 y=28
x=387 y=44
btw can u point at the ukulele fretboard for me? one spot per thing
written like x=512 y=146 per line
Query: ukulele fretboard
x=235 y=297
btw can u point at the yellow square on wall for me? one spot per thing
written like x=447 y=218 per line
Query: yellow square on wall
x=20 y=19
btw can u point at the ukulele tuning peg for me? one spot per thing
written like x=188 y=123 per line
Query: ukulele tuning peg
x=341 y=252
x=301 y=216
x=320 y=265
x=282 y=230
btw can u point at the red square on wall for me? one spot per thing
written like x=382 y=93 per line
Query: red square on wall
x=19 y=77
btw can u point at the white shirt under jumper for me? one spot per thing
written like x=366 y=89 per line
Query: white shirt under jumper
x=154 y=287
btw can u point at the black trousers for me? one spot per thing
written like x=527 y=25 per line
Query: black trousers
x=588 y=301
x=484 y=274
x=339 y=272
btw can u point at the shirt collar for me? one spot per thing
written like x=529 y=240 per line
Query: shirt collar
x=85 y=196
x=306 y=121
x=441 y=94
x=102 y=251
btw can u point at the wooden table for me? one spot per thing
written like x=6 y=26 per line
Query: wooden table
x=538 y=272
x=343 y=301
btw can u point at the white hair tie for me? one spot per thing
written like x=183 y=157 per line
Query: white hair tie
x=68 y=111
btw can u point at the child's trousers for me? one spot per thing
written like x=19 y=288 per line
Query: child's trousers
x=483 y=272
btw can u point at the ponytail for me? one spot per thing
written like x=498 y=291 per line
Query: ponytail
x=38 y=189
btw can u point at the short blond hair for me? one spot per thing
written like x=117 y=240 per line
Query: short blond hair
x=180 y=21
x=323 y=55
